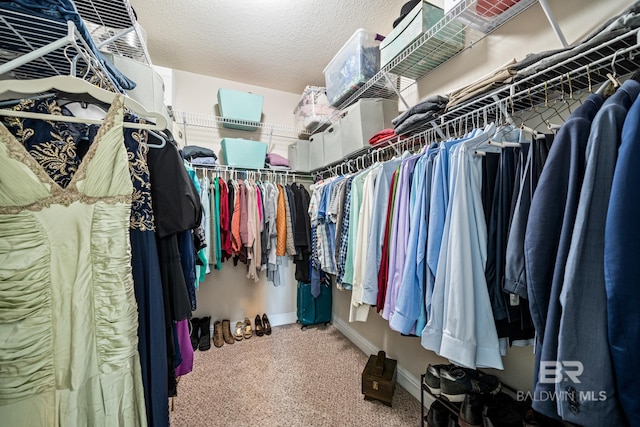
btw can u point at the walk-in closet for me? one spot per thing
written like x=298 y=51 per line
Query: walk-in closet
x=319 y=213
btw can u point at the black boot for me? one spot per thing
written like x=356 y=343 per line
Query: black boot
x=195 y=332
x=205 y=340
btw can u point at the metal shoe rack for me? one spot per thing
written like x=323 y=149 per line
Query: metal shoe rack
x=454 y=408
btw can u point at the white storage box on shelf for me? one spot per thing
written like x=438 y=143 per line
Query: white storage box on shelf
x=362 y=120
x=299 y=156
x=443 y=44
x=332 y=143
x=316 y=151
x=313 y=109
x=357 y=61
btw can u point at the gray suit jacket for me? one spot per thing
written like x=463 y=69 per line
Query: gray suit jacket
x=583 y=326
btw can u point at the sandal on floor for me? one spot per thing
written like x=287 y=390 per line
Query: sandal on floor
x=247 y=328
x=238 y=332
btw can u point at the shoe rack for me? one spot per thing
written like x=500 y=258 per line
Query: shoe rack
x=454 y=408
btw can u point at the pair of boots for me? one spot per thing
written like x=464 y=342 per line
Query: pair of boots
x=222 y=333
x=200 y=335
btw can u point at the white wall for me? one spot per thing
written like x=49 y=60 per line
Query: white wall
x=196 y=93
x=229 y=294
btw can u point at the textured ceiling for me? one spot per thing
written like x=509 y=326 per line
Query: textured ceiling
x=279 y=44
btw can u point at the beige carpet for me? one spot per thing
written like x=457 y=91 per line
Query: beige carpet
x=292 y=378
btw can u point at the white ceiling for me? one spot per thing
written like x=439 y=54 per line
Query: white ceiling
x=278 y=44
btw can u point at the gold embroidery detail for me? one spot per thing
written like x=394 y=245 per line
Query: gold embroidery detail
x=64 y=199
x=116 y=110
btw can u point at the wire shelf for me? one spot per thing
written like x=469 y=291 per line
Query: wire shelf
x=436 y=46
x=556 y=88
x=114 y=28
x=32 y=47
x=216 y=122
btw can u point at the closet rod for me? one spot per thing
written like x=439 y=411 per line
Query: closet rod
x=589 y=61
x=263 y=171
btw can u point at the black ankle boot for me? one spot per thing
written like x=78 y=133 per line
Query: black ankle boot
x=205 y=340
x=195 y=332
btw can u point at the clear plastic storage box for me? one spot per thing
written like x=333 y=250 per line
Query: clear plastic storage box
x=356 y=62
x=313 y=108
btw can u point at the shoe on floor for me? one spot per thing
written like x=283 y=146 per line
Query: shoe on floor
x=503 y=411
x=247 y=329
x=259 y=328
x=218 y=339
x=458 y=382
x=204 y=343
x=471 y=410
x=438 y=415
x=238 y=334
x=194 y=332
x=226 y=332
x=266 y=324
x=432 y=378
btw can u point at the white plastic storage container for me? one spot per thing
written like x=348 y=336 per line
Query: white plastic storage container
x=316 y=151
x=299 y=156
x=362 y=120
x=332 y=143
x=356 y=62
x=313 y=109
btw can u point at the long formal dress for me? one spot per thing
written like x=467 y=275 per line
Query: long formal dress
x=68 y=314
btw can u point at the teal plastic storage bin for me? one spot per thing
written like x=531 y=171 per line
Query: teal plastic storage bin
x=238 y=105
x=243 y=153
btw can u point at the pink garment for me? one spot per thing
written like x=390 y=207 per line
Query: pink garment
x=186 y=351
x=259 y=197
x=277 y=160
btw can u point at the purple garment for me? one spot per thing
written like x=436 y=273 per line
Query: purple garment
x=186 y=351
x=399 y=236
x=277 y=160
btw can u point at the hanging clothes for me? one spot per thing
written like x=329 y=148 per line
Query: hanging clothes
x=411 y=303
x=399 y=234
x=383 y=272
x=358 y=311
x=376 y=231
x=621 y=266
x=583 y=296
x=460 y=285
x=90 y=240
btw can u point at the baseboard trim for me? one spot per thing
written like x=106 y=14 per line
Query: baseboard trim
x=405 y=378
x=283 y=318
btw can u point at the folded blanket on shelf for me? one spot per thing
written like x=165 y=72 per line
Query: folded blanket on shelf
x=384 y=137
x=204 y=161
x=416 y=122
x=194 y=151
x=432 y=103
x=277 y=168
x=490 y=81
x=276 y=160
